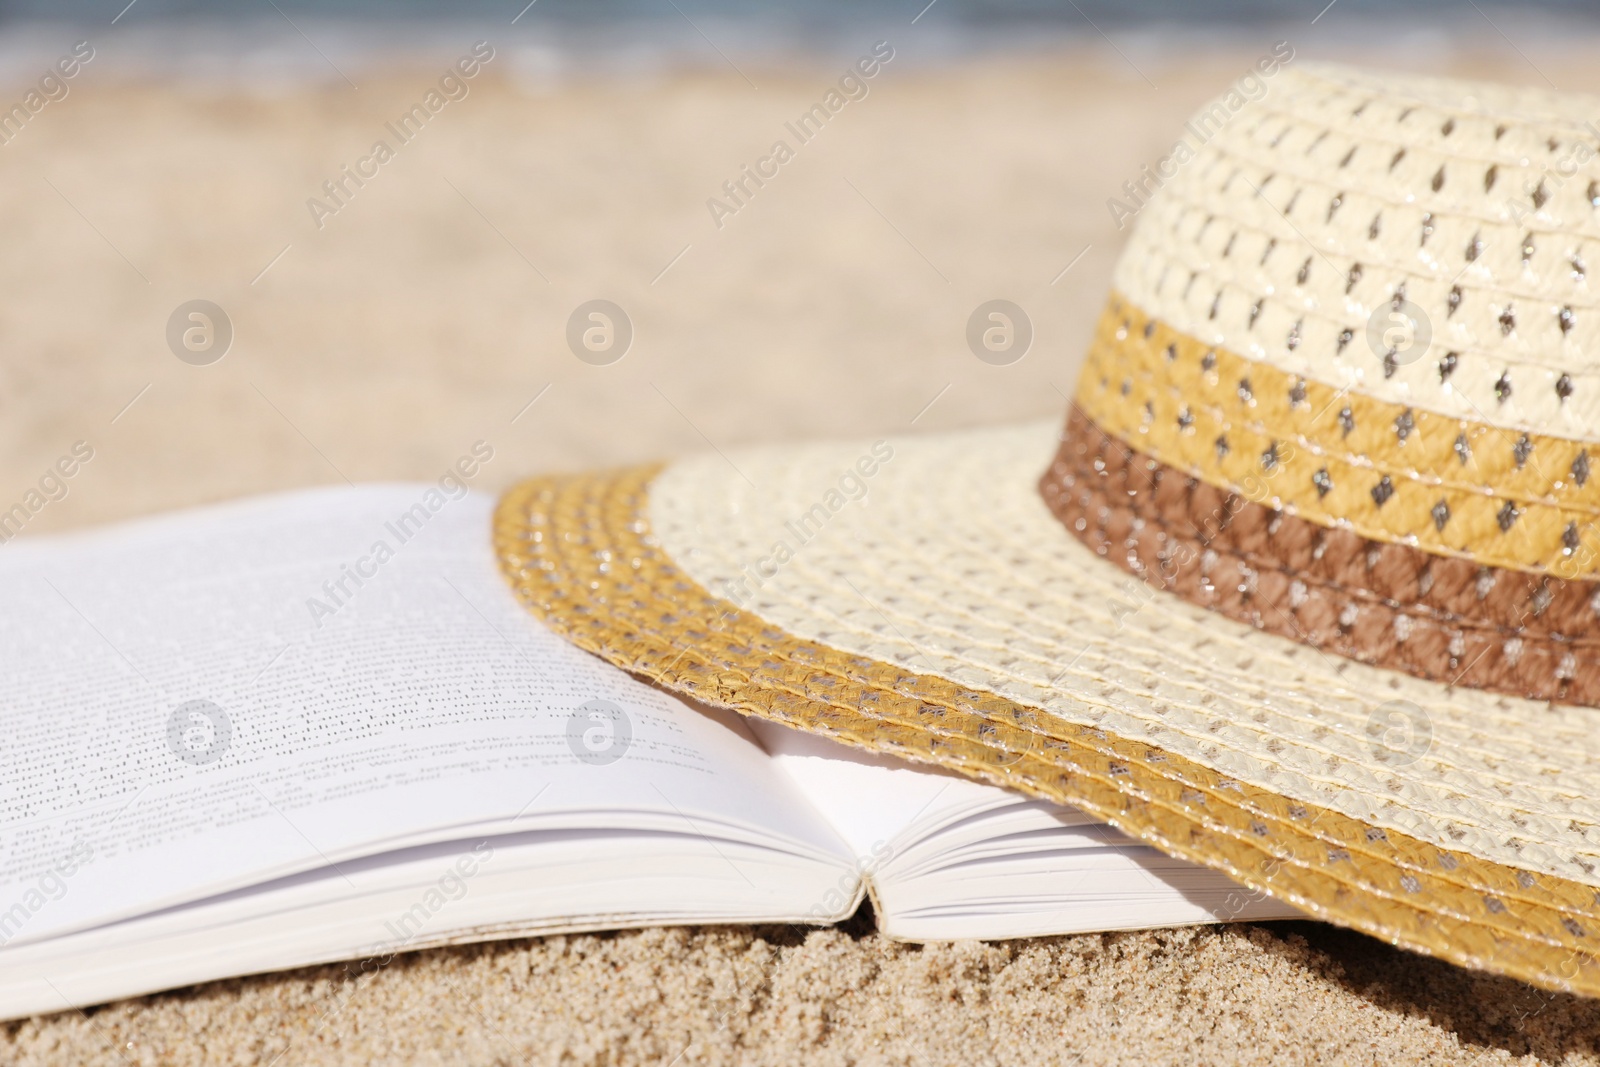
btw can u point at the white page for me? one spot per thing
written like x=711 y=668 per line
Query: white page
x=368 y=909
x=875 y=801
x=428 y=705
x=952 y=857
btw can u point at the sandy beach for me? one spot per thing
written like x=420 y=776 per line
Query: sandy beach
x=425 y=308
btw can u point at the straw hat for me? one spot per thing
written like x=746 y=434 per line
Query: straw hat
x=1307 y=588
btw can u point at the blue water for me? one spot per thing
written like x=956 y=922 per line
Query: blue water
x=552 y=41
x=1081 y=14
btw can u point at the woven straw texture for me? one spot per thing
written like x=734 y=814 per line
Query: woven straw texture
x=955 y=566
x=1449 y=620
x=581 y=553
x=1341 y=192
x=1457 y=487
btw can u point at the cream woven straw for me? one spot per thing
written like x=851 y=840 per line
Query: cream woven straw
x=1306 y=590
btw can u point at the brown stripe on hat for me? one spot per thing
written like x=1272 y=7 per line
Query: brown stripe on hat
x=1391 y=605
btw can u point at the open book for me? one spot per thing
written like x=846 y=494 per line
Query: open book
x=318 y=726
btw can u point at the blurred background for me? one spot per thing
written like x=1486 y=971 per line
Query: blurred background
x=382 y=324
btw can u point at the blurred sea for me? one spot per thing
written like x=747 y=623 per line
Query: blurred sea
x=283 y=43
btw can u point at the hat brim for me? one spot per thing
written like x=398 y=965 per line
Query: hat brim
x=927 y=604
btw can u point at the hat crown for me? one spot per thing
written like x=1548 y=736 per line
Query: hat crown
x=1312 y=214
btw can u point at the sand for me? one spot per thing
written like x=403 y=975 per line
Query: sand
x=431 y=309
x=1294 y=993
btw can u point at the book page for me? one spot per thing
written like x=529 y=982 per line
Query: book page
x=876 y=802
x=201 y=701
x=953 y=858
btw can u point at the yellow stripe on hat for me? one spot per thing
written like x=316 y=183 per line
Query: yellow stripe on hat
x=1501 y=497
